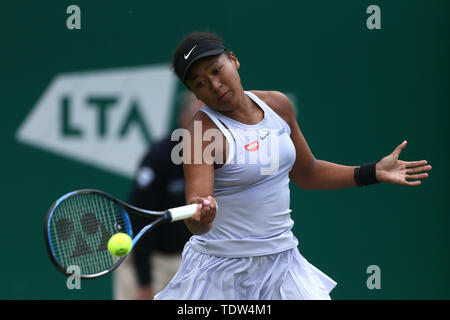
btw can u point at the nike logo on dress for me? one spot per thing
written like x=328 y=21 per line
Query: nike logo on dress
x=265 y=135
x=186 y=56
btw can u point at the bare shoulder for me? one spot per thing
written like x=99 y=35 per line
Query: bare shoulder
x=205 y=120
x=278 y=102
x=219 y=154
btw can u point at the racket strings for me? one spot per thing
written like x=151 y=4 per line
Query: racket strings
x=80 y=228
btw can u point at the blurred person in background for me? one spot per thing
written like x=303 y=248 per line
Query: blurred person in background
x=158 y=185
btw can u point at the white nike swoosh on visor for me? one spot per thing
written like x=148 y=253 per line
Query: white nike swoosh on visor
x=189 y=53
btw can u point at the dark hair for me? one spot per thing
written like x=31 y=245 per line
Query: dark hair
x=195 y=37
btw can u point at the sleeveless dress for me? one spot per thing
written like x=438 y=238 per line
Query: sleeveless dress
x=250 y=251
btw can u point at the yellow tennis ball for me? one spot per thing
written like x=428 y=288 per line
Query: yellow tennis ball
x=119 y=244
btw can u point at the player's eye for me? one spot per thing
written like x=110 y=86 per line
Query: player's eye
x=200 y=84
x=217 y=70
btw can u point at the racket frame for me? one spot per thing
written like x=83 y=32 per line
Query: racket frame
x=161 y=217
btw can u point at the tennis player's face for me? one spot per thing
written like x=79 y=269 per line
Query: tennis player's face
x=215 y=81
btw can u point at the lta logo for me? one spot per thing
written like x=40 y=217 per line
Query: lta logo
x=103 y=118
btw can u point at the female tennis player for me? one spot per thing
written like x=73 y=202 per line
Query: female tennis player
x=243 y=246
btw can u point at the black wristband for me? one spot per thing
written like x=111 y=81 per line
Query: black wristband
x=366 y=174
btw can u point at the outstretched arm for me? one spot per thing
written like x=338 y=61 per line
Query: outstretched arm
x=313 y=174
x=327 y=175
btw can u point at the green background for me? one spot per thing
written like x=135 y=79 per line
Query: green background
x=359 y=93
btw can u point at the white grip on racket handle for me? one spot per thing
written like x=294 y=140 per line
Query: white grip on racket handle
x=183 y=212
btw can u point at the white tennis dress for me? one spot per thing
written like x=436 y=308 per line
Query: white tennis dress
x=250 y=251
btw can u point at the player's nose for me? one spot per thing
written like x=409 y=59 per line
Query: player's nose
x=215 y=84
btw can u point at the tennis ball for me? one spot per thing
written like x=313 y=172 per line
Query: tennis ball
x=119 y=244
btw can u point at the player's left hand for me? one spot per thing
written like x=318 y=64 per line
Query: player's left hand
x=392 y=170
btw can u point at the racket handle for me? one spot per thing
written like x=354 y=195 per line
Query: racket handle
x=183 y=212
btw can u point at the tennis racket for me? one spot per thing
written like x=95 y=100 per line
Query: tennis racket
x=79 y=224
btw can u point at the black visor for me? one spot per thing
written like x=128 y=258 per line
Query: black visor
x=193 y=51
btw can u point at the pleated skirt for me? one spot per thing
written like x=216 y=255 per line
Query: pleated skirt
x=282 y=276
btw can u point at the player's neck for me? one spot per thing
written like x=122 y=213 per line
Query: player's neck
x=247 y=112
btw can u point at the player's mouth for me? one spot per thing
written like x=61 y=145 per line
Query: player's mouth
x=224 y=95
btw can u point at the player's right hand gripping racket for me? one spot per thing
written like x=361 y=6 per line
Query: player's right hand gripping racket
x=79 y=224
